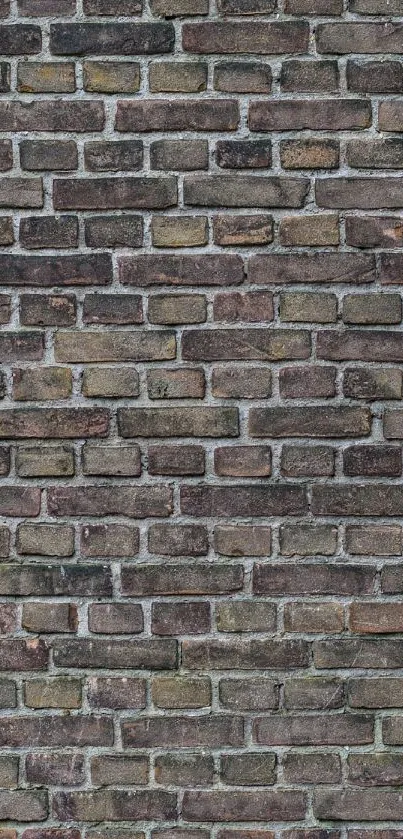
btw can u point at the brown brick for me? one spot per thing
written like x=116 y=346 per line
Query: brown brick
x=372 y=308
x=116 y=38
x=370 y=540
x=309 y=231
x=256 y=805
x=48 y=617
x=117 y=693
x=112 y=805
x=110 y=382
x=307 y=382
x=55 y=768
x=109 y=540
x=243 y=500
x=316 y=115
x=257 y=694
x=175 y=77
x=54 y=422
x=45 y=539
x=176 y=460
x=195 y=578
x=125 y=770
x=47 y=310
x=243 y=461
x=306 y=730
x=111 y=76
x=180 y=619
x=126 y=500
x=111 y=460
x=245 y=344
x=177 y=115
x=179 y=155
x=173 y=309
x=185 y=770
x=242 y=77
x=313 y=617
x=116 y=345
x=372 y=383
x=302 y=306
x=180 y=692
x=178 y=422
x=179 y=231
x=248 y=769
x=50 y=155
x=56 y=461
x=245 y=37
x=53 y=693
x=375 y=617
x=243 y=230
x=250 y=307
x=241 y=382
x=372 y=461
x=307 y=539
x=245 y=191
x=113 y=193
x=244 y=654
x=308 y=580
x=46 y=77
x=375 y=693
x=242 y=540
x=309 y=154
x=171 y=269
x=311 y=268
x=44 y=383
x=246 y=616
x=221 y=730
x=309 y=77
x=310 y=422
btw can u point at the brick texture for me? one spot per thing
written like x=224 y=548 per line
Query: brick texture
x=201 y=370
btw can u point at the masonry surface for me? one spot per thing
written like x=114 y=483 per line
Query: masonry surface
x=201 y=500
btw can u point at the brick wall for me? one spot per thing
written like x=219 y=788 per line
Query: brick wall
x=201 y=353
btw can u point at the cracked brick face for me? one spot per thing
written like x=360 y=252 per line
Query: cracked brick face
x=201 y=347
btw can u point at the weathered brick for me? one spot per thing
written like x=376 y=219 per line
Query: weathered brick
x=113 y=805
x=181 y=579
x=243 y=461
x=55 y=768
x=126 y=500
x=341 y=805
x=221 y=730
x=309 y=580
x=302 y=306
x=242 y=540
x=372 y=461
x=307 y=382
x=179 y=231
x=175 y=77
x=111 y=460
x=311 y=767
x=179 y=155
x=313 y=617
x=207 y=269
x=356 y=345
x=309 y=76
x=375 y=693
x=176 y=460
x=180 y=692
x=57 y=461
x=242 y=77
x=177 y=115
x=369 y=540
x=257 y=694
x=372 y=308
x=245 y=191
x=45 y=539
x=113 y=156
x=244 y=616
x=23 y=805
x=170 y=309
x=180 y=618
x=52 y=580
x=45 y=271
x=111 y=76
x=372 y=383
x=245 y=37
x=178 y=422
x=377 y=154
x=245 y=344
x=54 y=422
x=249 y=769
x=86 y=653
x=76 y=346
x=243 y=500
x=50 y=155
x=309 y=231
x=110 y=382
x=52 y=693
x=241 y=382
x=116 y=38
x=109 y=540
x=305 y=730
x=117 y=693
x=310 y=422
x=256 y=805
x=44 y=383
x=310 y=268
x=250 y=307
x=186 y=770
x=243 y=230
x=124 y=770
x=113 y=193
x=244 y=654
x=38 y=77
x=316 y=115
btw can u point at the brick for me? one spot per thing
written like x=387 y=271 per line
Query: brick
x=113 y=193
x=38 y=77
x=44 y=383
x=43 y=8
x=390 y=268
x=311 y=767
x=180 y=618
x=47 y=581
x=48 y=232
x=4 y=460
x=369 y=540
x=243 y=500
x=248 y=769
x=313 y=693
x=309 y=154
x=130 y=501
x=241 y=382
x=116 y=38
x=342 y=805
x=113 y=345
x=305 y=306
x=111 y=460
x=243 y=230
x=364 y=500
x=374 y=7
x=242 y=540
x=110 y=382
x=176 y=460
x=378 y=154
x=243 y=461
x=178 y=422
x=178 y=540
x=180 y=692
x=177 y=115
x=175 y=77
x=187 y=770
x=48 y=617
x=313 y=7
x=312 y=268
x=313 y=617
x=375 y=76
x=359 y=653
x=309 y=231
x=245 y=7
x=8 y=618
x=54 y=422
x=20 y=501
x=112 y=7
x=347 y=729
x=243 y=154
x=176 y=8
x=23 y=805
x=309 y=76
x=372 y=383
x=113 y=156
x=118 y=693
x=242 y=77
x=221 y=730
x=112 y=805
x=257 y=805
x=6 y=238
x=181 y=579
x=113 y=231
x=53 y=155
x=21 y=192
x=316 y=115
x=307 y=382
x=251 y=307
x=46 y=540
x=248 y=191
x=309 y=580
x=372 y=308
x=98 y=540
x=305 y=540
x=9 y=771
x=244 y=654
x=52 y=693
x=360 y=193
x=115 y=618
x=246 y=616
x=85 y=653
x=310 y=422
x=57 y=461
x=179 y=155
x=123 y=309
x=374 y=693
x=254 y=37
x=173 y=309
x=111 y=76
x=245 y=344
x=179 y=231
x=24 y=654
x=45 y=271
x=5 y=308
x=171 y=269
x=48 y=115
x=377 y=769
x=372 y=461
x=356 y=345
x=257 y=694
x=8 y=695
x=55 y=768
x=392 y=731
x=107 y=770
x=376 y=618
x=358 y=37
x=373 y=231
